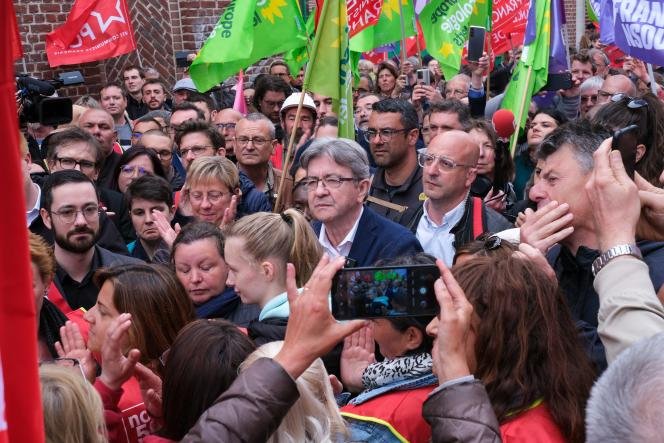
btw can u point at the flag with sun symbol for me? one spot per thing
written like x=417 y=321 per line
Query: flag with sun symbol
x=388 y=28
x=247 y=31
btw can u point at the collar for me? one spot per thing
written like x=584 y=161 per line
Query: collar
x=349 y=238
x=94 y=265
x=380 y=183
x=275 y=308
x=450 y=219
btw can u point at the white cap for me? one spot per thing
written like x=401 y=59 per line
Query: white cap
x=185 y=83
x=293 y=100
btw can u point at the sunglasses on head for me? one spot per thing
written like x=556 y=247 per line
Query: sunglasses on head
x=633 y=102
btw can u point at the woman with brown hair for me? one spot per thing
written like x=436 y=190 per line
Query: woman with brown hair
x=159 y=308
x=522 y=346
x=202 y=363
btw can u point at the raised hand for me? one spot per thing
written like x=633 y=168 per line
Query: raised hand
x=312 y=331
x=546 y=226
x=167 y=233
x=358 y=353
x=116 y=369
x=72 y=345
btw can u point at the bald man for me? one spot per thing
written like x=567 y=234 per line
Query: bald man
x=615 y=84
x=101 y=125
x=449 y=217
x=225 y=120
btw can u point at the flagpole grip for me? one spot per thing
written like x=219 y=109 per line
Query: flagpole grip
x=522 y=105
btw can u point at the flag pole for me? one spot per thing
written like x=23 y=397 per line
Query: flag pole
x=522 y=106
x=488 y=72
x=403 y=33
x=417 y=41
x=285 y=166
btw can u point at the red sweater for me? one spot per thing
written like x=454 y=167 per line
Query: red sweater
x=127 y=421
x=535 y=425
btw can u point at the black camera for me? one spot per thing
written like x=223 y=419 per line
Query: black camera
x=36 y=104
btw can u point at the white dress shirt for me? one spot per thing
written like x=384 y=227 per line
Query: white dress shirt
x=437 y=240
x=343 y=248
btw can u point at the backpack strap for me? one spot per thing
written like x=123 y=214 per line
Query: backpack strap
x=478 y=222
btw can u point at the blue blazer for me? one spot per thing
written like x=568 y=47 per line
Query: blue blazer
x=379 y=238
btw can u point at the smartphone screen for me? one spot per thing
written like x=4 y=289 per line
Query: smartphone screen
x=558 y=81
x=475 y=43
x=392 y=291
x=625 y=140
x=423 y=77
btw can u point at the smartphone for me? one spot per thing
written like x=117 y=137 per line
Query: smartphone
x=475 y=43
x=424 y=76
x=390 y=291
x=181 y=59
x=625 y=140
x=556 y=82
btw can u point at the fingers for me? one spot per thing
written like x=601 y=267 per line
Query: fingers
x=337 y=387
x=291 y=284
x=618 y=168
x=116 y=331
x=645 y=185
x=344 y=329
x=58 y=348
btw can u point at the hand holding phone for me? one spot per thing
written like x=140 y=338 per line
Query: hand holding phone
x=625 y=140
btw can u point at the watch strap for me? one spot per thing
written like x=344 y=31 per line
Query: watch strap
x=613 y=252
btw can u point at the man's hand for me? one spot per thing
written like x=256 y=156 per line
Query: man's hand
x=229 y=213
x=651 y=223
x=613 y=197
x=451 y=327
x=167 y=233
x=358 y=353
x=312 y=331
x=535 y=256
x=478 y=70
x=546 y=226
x=116 y=369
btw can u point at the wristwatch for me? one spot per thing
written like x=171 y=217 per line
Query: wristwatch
x=613 y=252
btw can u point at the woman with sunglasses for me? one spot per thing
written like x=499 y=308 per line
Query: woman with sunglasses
x=136 y=162
x=647 y=112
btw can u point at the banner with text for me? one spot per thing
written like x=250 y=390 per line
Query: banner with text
x=362 y=14
x=638 y=28
x=509 y=24
x=94 y=30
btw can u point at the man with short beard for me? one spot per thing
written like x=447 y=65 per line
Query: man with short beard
x=70 y=209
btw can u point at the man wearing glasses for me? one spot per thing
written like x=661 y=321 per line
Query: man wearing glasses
x=70 y=209
x=255 y=143
x=615 y=84
x=162 y=145
x=337 y=184
x=450 y=217
x=392 y=134
x=76 y=149
x=226 y=120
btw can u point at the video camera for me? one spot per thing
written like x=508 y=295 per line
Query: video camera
x=36 y=103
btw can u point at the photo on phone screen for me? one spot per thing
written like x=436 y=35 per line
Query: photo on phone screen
x=625 y=140
x=424 y=76
x=392 y=291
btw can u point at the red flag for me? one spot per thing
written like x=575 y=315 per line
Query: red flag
x=509 y=24
x=374 y=57
x=416 y=44
x=18 y=327
x=319 y=8
x=94 y=30
x=17 y=47
x=362 y=14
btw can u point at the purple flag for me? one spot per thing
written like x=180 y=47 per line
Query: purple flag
x=639 y=29
x=531 y=25
x=558 y=56
x=605 y=13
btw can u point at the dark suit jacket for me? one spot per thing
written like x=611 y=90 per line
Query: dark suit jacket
x=379 y=238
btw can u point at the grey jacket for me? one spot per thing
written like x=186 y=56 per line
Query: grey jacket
x=251 y=409
x=462 y=413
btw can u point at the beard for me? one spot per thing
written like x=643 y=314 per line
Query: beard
x=76 y=246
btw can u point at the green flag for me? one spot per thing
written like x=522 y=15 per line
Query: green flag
x=445 y=28
x=530 y=74
x=481 y=15
x=388 y=28
x=296 y=58
x=329 y=72
x=245 y=33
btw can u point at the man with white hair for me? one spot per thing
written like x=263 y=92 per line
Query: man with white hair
x=337 y=183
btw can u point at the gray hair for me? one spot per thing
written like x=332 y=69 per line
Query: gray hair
x=582 y=139
x=627 y=402
x=258 y=117
x=605 y=58
x=594 y=82
x=343 y=151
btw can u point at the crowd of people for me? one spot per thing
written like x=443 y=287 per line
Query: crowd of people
x=182 y=261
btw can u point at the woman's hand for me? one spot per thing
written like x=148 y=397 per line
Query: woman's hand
x=229 y=213
x=116 y=369
x=358 y=353
x=150 y=385
x=450 y=328
x=167 y=233
x=72 y=345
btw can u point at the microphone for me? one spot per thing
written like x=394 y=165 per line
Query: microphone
x=503 y=123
